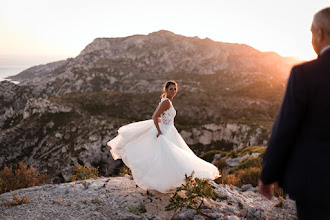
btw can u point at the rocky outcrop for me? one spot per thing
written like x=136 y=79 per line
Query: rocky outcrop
x=53 y=138
x=238 y=134
x=12 y=102
x=41 y=106
x=36 y=73
x=233 y=162
x=119 y=198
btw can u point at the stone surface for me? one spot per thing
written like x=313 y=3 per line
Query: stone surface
x=238 y=134
x=41 y=106
x=119 y=198
x=233 y=162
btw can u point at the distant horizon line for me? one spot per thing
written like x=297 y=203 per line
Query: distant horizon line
x=48 y=55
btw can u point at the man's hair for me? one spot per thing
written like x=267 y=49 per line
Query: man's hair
x=322 y=20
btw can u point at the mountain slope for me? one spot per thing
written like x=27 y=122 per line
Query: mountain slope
x=130 y=64
x=65 y=112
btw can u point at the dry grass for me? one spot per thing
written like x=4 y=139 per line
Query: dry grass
x=17 y=201
x=221 y=164
x=239 y=178
x=21 y=177
x=208 y=156
x=252 y=149
x=84 y=172
x=249 y=176
x=247 y=172
x=125 y=170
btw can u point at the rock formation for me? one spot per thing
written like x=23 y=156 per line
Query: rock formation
x=119 y=198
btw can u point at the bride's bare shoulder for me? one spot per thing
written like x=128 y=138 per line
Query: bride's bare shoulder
x=165 y=102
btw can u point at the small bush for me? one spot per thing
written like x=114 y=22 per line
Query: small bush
x=248 y=163
x=231 y=180
x=250 y=150
x=195 y=190
x=125 y=170
x=233 y=154
x=96 y=201
x=21 y=177
x=249 y=176
x=247 y=172
x=221 y=164
x=208 y=156
x=17 y=201
x=137 y=210
x=83 y=172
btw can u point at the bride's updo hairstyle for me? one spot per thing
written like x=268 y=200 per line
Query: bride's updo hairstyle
x=165 y=87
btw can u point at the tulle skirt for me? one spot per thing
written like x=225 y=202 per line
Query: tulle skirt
x=158 y=163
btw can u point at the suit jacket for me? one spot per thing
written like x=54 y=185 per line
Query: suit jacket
x=298 y=152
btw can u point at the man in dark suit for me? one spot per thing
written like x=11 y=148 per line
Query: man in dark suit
x=298 y=153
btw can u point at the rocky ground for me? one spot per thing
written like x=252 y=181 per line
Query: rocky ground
x=119 y=198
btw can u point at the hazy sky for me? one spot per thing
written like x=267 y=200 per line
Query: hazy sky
x=62 y=28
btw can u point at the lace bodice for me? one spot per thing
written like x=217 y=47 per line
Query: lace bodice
x=167 y=117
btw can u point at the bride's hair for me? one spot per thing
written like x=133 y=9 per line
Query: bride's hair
x=165 y=87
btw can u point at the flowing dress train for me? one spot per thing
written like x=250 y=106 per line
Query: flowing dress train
x=158 y=163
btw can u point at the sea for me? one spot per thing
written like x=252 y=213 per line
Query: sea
x=11 y=65
x=6 y=71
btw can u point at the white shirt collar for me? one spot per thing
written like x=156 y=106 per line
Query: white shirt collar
x=325 y=48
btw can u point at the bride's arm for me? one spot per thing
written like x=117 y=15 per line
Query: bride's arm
x=159 y=110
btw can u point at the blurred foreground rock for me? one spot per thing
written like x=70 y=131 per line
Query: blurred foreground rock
x=119 y=198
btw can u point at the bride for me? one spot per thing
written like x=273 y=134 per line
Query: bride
x=156 y=153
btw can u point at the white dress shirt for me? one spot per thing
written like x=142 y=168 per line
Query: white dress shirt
x=325 y=48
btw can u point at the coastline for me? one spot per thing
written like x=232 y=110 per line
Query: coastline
x=16 y=82
x=6 y=72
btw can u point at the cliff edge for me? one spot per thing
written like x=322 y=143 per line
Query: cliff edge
x=120 y=198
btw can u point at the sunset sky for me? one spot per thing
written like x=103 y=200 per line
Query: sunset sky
x=62 y=28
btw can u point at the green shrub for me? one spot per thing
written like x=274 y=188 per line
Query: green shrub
x=125 y=170
x=208 y=156
x=21 y=177
x=249 y=176
x=195 y=190
x=221 y=164
x=233 y=154
x=230 y=179
x=248 y=171
x=83 y=172
x=137 y=210
x=248 y=163
x=250 y=150
x=241 y=177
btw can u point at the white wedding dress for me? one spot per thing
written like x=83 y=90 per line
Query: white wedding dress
x=158 y=163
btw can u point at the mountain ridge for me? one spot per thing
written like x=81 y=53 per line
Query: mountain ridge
x=227 y=94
